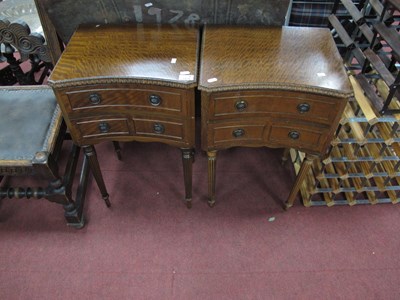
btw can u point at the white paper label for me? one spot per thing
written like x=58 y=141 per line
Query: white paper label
x=186 y=77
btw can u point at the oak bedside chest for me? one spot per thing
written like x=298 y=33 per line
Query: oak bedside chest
x=129 y=83
x=276 y=87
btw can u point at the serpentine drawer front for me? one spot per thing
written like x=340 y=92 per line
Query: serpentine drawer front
x=124 y=110
x=127 y=96
x=126 y=128
x=276 y=87
x=130 y=83
x=302 y=136
x=273 y=103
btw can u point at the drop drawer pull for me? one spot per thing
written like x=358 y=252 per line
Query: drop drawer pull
x=158 y=128
x=294 y=135
x=303 y=108
x=241 y=105
x=238 y=133
x=104 y=127
x=94 y=98
x=155 y=100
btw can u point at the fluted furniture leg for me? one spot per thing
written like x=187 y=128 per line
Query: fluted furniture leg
x=212 y=161
x=187 y=159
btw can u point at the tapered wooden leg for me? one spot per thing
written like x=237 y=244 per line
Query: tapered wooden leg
x=187 y=159
x=212 y=161
x=305 y=167
x=117 y=149
x=90 y=153
x=285 y=156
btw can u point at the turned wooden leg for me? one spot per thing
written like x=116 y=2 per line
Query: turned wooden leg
x=90 y=153
x=212 y=161
x=59 y=189
x=187 y=159
x=71 y=213
x=305 y=167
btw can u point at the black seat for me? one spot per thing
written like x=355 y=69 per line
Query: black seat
x=32 y=130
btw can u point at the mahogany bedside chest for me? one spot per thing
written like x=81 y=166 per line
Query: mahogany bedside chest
x=129 y=83
x=276 y=87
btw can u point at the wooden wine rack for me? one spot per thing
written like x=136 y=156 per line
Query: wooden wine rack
x=363 y=163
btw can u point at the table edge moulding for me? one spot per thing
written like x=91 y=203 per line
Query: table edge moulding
x=130 y=82
x=244 y=67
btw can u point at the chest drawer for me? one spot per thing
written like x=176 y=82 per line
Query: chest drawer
x=102 y=127
x=234 y=133
x=294 y=105
x=267 y=133
x=298 y=135
x=129 y=128
x=164 y=129
x=122 y=97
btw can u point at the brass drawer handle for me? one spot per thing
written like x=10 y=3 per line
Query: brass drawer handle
x=303 y=108
x=158 y=128
x=155 y=100
x=95 y=99
x=241 y=105
x=238 y=133
x=104 y=127
x=294 y=135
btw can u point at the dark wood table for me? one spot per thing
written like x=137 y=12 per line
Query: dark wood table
x=130 y=83
x=276 y=87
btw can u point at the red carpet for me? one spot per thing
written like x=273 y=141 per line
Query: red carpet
x=150 y=246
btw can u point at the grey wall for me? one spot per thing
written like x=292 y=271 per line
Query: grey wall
x=66 y=15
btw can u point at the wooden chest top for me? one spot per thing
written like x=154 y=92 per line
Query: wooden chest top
x=288 y=58
x=129 y=53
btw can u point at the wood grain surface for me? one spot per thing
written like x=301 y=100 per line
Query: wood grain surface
x=159 y=54
x=289 y=58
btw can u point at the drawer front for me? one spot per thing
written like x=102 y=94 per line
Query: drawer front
x=170 y=131
x=105 y=127
x=300 y=106
x=266 y=132
x=160 y=129
x=117 y=97
x=228 y=134
x=299 y=136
